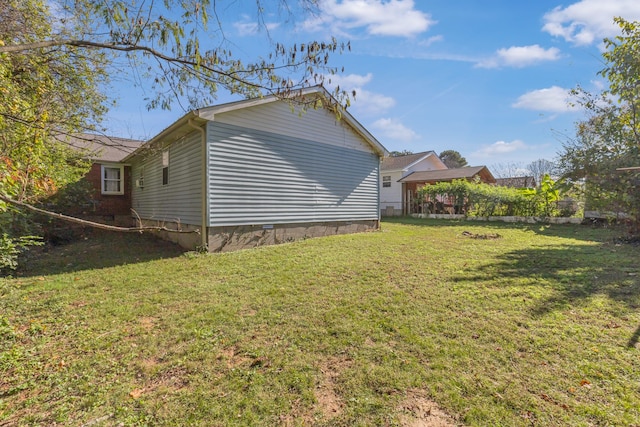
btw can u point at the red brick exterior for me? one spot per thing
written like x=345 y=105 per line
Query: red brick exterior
x=109 y=205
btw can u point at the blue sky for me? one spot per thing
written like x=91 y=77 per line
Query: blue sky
x=487 y=78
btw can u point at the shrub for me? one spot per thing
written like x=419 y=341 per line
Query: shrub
x=480 y=199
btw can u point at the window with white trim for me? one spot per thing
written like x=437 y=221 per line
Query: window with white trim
x=386 y=181
x=112 y=179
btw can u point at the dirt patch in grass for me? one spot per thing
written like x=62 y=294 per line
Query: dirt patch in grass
x=329 y=403
x=418 y=410
x=489 y=236
x=233 y=358
x=236 y=359
x=148 y=323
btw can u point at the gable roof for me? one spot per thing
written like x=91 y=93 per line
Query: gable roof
x=517 y=182
x=394 y=163
x=101 y=148
x=185 y=124
x=467 y=172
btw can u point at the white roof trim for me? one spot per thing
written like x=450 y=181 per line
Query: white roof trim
x=431 y=153
x=419 y=160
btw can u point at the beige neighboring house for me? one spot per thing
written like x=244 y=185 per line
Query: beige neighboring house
x=393 y=169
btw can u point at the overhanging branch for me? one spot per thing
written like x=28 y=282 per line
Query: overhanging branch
x=185 y=62
x=101 y=226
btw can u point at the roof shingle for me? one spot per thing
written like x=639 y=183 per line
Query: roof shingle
x=446 y=174
x=402 y=162
x=101 y=147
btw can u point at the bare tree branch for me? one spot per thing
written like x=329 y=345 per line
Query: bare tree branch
x=90 y=223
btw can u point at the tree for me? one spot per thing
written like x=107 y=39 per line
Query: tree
x=609 y=139
x=400 y=153
x=169 y=42
x=43 y=93
x=508 y=170
x=56 y=57
x=453 y=159
x=541 y=167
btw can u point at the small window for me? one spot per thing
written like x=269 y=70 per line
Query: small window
x=386 y=181
x=165 y=168
x=112 y=179
x=140 y=180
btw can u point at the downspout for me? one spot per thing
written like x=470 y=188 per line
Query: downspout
x=204 y=242
x=379 y=191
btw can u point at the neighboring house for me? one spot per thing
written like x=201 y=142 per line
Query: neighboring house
x=110 y=177
x=416 y=180
x=517 y=182
x=392 y=191
x=259 y=171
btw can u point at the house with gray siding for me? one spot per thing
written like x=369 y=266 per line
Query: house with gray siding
x=259 y=171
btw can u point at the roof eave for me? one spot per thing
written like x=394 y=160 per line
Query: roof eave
x=207 y=114
x=430 y=153
x=172 y=131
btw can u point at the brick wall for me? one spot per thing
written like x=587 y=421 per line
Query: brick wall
x=109 y=205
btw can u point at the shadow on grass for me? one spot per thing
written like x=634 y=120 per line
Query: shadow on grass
x=575 y=273
x=97 y=249
x=633 y=341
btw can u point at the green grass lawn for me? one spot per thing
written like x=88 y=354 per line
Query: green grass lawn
x=469 y=323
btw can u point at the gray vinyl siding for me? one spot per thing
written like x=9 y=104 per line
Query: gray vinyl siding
x=277 y=117
x=258 y=177
x=180 y=200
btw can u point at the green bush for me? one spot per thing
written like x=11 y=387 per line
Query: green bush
x=480 y=199
x=11 y=247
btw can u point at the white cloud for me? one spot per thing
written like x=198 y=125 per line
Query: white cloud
x=520 y=56
x=365 y=102
x=384 y=18
x=589 y=21
x=502 y=147
x=394 y=130
x=248 y=28
x=554 y=99
x=431 y=40
x=372 y=103
x=350 y=80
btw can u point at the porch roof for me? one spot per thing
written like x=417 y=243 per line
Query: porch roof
x=444 y=175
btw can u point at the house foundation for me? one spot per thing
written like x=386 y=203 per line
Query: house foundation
x=188 y=237
x=233 y=238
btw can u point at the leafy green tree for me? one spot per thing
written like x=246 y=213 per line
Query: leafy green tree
x=609 y=139
x=183 y=54
x=453 y=159
x=44 y=93
x=56 y=57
